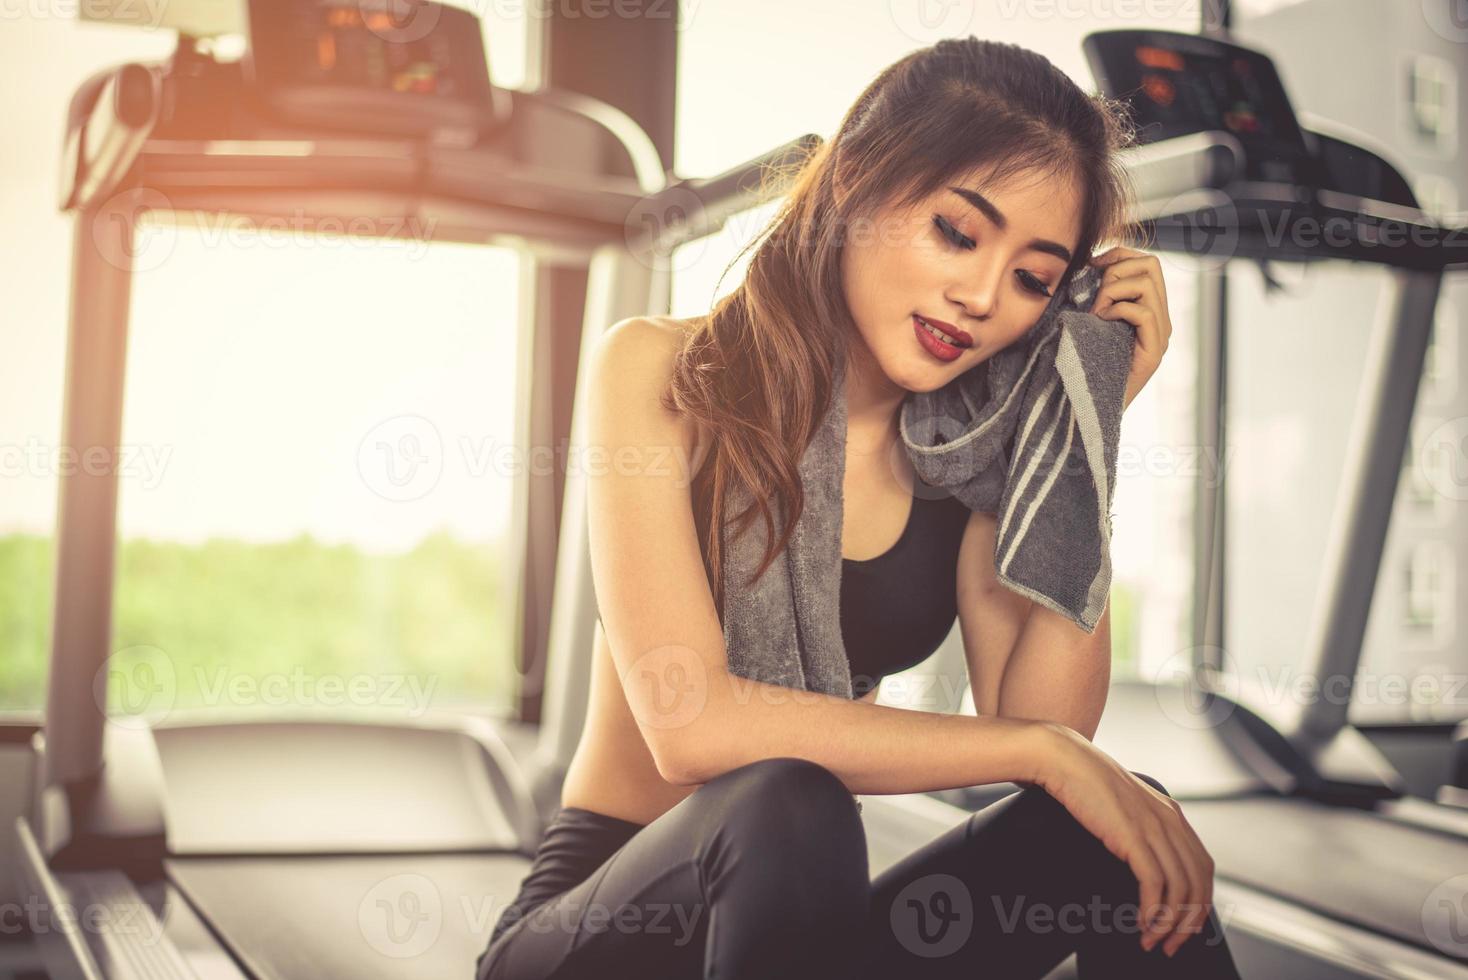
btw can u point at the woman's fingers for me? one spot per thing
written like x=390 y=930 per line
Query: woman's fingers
x=1202 y=903
x=1174 y=909
x=1165 y=916
x=1133 y=286
x=1194 y=879
x=1121 y=262
x=1151 y=881
x=1132 y=290
x=1149 y=333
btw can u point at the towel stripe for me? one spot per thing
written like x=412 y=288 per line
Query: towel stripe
x=1033 y=509
x=1023 y=435
x=1061 y=418
x=1068 y=362
x=1023 y=438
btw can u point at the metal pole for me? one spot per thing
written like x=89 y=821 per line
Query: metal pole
x=103 y=241
x=1374 y=454
x=1217 y=18
x=1208 y=501
x=620 y=285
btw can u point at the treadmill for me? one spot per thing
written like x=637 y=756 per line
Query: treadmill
x=1324 y=866
x=284 y=844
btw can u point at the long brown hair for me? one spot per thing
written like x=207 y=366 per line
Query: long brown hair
x=759 y=370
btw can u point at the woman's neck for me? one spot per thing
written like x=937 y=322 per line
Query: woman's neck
x=873 y=401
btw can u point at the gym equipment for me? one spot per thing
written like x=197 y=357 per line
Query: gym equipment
x=1324 y=866
x=280 y=844
x=213 y=842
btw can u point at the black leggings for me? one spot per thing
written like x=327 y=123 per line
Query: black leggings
x=762 y=873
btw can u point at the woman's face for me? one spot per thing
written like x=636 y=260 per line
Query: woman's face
x=969 y=260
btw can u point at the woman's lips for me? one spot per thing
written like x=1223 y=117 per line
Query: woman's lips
x=964 y=340
x=934 y=345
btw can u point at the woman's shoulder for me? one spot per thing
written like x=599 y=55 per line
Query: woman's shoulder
x=644 y=350
x=680 y=326
x=654 y=337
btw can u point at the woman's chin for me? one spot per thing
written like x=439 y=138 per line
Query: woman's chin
x=933 y=377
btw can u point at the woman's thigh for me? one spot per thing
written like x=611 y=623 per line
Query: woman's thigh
x=657 y=927
x=1013 y=891
x=759 y=872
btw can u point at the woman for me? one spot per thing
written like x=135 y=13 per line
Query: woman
x=708 y=826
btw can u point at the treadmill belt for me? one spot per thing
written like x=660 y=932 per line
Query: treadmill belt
x=364 y=917
x=1352 y=865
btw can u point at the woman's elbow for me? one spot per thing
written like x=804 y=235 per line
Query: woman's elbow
x=673 y=772
x=683 y=753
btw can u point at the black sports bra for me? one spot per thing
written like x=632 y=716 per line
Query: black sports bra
x=898 y=607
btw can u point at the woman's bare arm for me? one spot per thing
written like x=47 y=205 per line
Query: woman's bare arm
x=990 y=616
x=698 y=719
x=1024 y=660
x=1058 y=672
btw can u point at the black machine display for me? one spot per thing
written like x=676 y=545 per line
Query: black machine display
x=1182 y=83
x=391 y=66
x=1213 y=119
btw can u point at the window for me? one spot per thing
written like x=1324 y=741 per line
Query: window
x=1412 y=637
x=1427 y=582
x=371 y=604
x=46 y=58
x=1440 y=377
x=328 y=421
x=1432 y=103
x=1286 y=451
x=1288 y=445
x=1427 y=467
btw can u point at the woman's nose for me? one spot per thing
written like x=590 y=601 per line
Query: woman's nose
x=977 y=292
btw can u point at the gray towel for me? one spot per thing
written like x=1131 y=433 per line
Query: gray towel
x=1030 y=435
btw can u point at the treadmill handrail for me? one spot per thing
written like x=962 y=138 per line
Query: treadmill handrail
x=709 y=202
x=647 y=163
x=1170 y=167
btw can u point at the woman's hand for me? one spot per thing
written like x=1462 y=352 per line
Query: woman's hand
x=1142 y=827
x=1132 y=290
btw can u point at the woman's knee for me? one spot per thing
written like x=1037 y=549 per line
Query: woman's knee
x=802 y=781
x=1150 y=781
x=788 y=795
x=800 y=823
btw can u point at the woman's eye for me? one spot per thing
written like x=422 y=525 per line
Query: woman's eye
x=960 y=240
x=951 y=233
x=1032 y=284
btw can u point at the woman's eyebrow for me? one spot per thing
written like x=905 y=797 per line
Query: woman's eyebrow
x=987 y=208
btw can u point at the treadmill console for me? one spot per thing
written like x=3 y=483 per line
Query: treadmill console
x=1180 y=83
x=399 y=67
